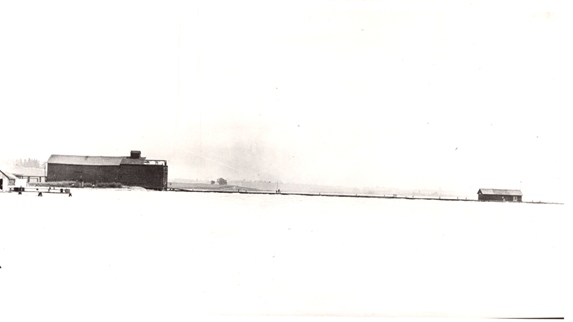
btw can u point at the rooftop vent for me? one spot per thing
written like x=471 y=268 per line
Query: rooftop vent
x=135 y=154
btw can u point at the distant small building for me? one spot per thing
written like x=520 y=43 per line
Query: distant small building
x=499 y=195
x=133 y=170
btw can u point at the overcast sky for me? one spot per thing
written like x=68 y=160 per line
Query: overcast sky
x=452 y=95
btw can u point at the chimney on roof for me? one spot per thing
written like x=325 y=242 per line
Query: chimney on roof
x=135 y=154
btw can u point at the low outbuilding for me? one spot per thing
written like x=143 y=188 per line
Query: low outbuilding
x=500 y=195
x=9 y=181
x=27 y=173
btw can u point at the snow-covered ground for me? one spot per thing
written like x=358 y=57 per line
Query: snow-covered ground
x=144 y=255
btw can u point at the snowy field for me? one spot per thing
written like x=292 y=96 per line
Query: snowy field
x=169 y=256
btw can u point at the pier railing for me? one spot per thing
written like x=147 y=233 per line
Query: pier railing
x=41 y=190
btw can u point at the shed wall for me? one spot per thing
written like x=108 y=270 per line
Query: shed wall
x=147 y=176
x=142 y=175
x=6 y=182
x=483 y=197
x=85 y=173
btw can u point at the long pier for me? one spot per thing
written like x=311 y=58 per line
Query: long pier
x=63 y=191
x=42 y=190
x=342 y=195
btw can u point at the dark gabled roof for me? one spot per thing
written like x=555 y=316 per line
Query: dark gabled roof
x=84 y=160
x=502 y=192
x=101 y=161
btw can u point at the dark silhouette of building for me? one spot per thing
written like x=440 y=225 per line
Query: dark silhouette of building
x=499 y=195
x=130 y=171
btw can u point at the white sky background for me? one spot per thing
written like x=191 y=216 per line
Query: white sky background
x=455 y=95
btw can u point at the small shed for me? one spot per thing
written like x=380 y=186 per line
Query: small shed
x=29 y=174
x=9 y=181
x=512 y=195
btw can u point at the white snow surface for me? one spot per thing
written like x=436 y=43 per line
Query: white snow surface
x=118 y=255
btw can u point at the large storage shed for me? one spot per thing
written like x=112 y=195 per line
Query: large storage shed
x=499 y=195
x=131 y=171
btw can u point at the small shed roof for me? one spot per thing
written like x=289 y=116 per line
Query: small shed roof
x=8 y=175
x=133 y=161
x=84 y=160
x=26 y=172
x=503 y=192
